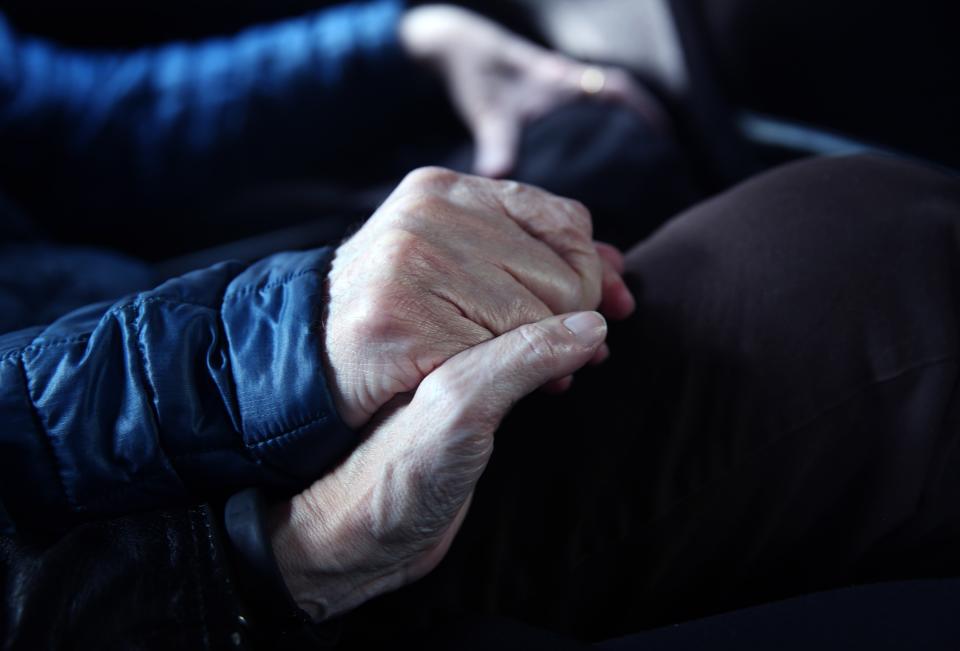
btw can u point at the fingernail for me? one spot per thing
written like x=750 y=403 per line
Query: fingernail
x=589 y=328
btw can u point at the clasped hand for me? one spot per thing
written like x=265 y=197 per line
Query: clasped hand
x=457 y=298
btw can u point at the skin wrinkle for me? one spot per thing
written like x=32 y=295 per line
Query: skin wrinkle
x=539 y=239
x=526 y=265
x=397 y=291
x=542 y=310
x=490 y=322
x=411 y=262
x=565 y=253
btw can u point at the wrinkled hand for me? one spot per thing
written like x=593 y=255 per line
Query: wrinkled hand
x=387 y=515
x=499 y=82
x=447 y=262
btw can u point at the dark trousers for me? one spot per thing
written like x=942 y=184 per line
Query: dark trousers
x=779 y=417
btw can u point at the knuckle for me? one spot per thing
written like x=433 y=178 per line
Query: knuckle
x=510 y=187
x=519 y=196
x=368 y=318
x=431 y=176
x=519 y=309
x=417 y=208
x=397 y=250
x=538 y=347
x=571 y=238
x=579 y=216
x=387 y=316
x=388 y=285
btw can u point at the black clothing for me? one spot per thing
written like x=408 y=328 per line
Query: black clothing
x=145 y=581
x=160 y=580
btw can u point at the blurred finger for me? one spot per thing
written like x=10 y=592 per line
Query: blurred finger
x=496 y=140
x=620 y=87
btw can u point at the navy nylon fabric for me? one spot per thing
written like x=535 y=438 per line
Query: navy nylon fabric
x=189 y=119
x=209 y=383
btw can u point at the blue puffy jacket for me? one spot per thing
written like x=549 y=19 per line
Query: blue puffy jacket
x=213 y=381
x=184 y=120
x=209 y=383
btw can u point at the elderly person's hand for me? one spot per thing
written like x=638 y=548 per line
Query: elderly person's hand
x=498 y=81
x=449 y=261
x=387 y=516
x=458 y=297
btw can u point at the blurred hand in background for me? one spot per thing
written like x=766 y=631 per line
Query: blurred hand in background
x=498 y=81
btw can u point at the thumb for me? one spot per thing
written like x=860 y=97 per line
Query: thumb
x=477 y=387
x=458 y=406
x=496 y=140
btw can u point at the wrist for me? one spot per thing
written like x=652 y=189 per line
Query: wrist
x=268 y=610
x=319 y=551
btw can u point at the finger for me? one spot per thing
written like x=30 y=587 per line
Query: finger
x=611 y=254
x=496 y=140
x=601 y=355
x=564 y=383
x=564 y=225
x=620 y=87
x=617 y=301
x=556 y=387
x=542 y=240
x=457 y=408
x=476 y=305
x=474 y=390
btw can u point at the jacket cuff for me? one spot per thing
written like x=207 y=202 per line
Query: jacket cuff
x=272 y=317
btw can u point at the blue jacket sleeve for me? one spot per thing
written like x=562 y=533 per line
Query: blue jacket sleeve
x=212 y=382
x=183 y=118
